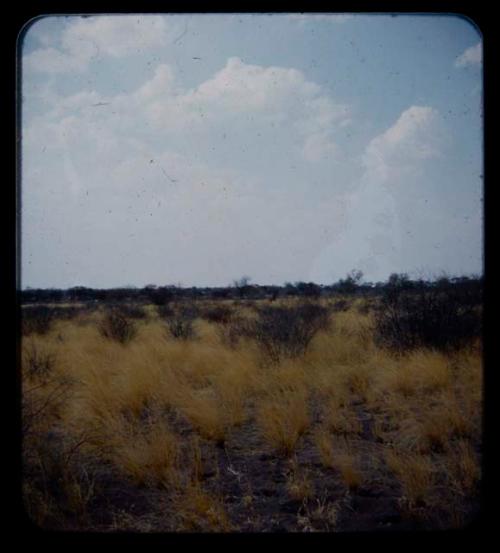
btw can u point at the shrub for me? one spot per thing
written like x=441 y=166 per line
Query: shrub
x=165 y=311
x=220 y=314
x=59 y=482
x=117 y=327
x=340 y=306
x=234 y=330
x=426 y=317
x=131 y=311
x=181 y=324
x=36 y=319
x=288 y=331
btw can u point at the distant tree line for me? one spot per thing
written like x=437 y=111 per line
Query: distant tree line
x=469 y=288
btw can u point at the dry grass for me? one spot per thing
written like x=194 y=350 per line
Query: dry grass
x=197 y=510
x=148 y=454
x=324 y=444
x=283 y=417
x=415 y=474
x=340 y=419
x=464 y=468
x=299 y=485
x=338 y=454
x=345 y=460
x=151 y=410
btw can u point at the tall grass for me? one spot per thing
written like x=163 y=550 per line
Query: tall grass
x=151 y=412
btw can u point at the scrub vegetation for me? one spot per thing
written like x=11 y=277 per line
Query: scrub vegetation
x=343 y=410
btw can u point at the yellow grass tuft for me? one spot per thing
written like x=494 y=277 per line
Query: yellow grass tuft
x=133 y=406
x=196 y=510
x=464 y=469
x=282 y=419
x=346 y=463
x=324 y=445
x=414 y=472
x=149 y=456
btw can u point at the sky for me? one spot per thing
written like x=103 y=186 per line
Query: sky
x=193 y=149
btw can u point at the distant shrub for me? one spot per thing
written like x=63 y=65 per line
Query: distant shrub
x=426 y=317
x=220 y=314
x=181 y=324
x=165 y=311
x=131 y=311
x=288 y=331
x=341 y=305
x=117 y=327
x=68 y=313
x=236 y=329
x=36 y=319
x=160 y=296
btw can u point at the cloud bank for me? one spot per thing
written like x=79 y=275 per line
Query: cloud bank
x=88 y=38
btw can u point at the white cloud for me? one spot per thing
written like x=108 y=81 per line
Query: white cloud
x=52 y=60
x=253 y=94
x=318 y=147
x=87 y=38
x=115 y=36
x=417 y=135
x=471 y=56
x=378 y=210
x=239 y=98
x=136 y=167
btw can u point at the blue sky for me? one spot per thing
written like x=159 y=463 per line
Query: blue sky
x=195 y=149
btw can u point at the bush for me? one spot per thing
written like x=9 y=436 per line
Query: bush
x=181 y=324
x=341 y=305
x=288 y=331
x=220 y=314
x=117 y=327
x=165 y=311
x=426 y=317
x=130 y=311
x=36 y=319
x=60 y=484
x=236 y=329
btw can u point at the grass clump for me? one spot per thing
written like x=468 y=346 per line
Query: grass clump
x=283 y=419
x=38 y=364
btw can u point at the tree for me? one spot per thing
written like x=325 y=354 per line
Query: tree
x=308 y=289
x=242 y=285
x=350 y=284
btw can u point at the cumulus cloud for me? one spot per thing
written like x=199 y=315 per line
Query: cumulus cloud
x=87 y=38
x=154 y=163
x=251 y=94
x=471 y=56
x=376 y=213
x=417 y=135
x=318 y=146
x=52 y=60
x=243 y=99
